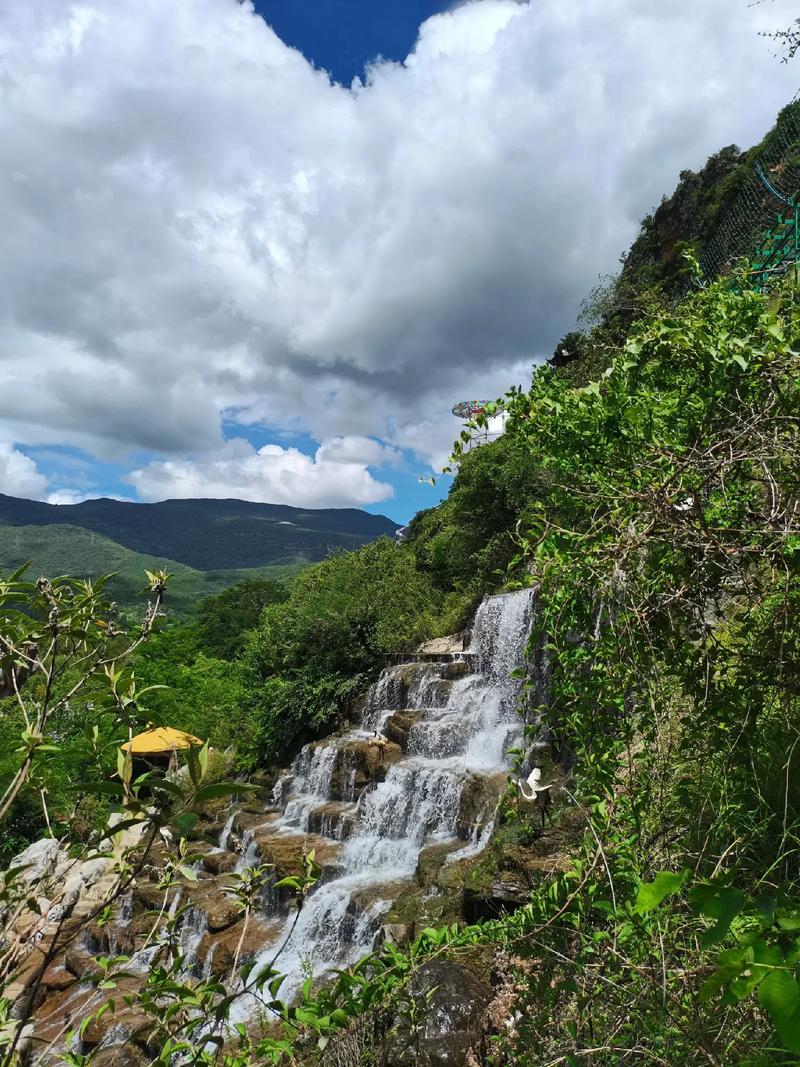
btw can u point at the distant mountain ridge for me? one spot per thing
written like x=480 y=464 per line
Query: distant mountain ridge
x=209 y=534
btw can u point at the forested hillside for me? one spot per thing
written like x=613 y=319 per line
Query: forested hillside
x=209 y=534
x=84 y=554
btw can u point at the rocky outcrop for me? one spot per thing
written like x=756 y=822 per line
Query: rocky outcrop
x=443 y=1017
x=217 y=952
x=397 y=810
x=398 y=726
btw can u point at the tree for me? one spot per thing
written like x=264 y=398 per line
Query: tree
x=224 y=619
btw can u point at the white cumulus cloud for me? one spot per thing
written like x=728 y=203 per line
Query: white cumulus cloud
x=19 y=475
x=198 y=225
x=336 y=473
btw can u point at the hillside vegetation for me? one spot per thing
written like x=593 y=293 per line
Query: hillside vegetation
x=64 y=549
x=649 y=489
x=209 y=534
x=657 y=510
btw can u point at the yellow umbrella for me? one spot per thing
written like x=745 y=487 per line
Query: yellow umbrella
x=160 y=739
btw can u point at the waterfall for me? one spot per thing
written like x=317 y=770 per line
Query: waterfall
x=463 y=718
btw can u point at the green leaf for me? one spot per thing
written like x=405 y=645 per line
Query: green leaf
x=185 y=823
x=651 y=894
x=780 y=996
x=724 y=905
x=195 y=772
x=222 y=789
x=124 y=765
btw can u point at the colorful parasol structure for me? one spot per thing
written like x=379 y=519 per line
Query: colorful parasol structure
x=468 y=409
x=160 y=741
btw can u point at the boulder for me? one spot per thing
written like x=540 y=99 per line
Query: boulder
x=479 y=797
x=123 y=1027
x=442 y=646
x=358 y=763
x=451 y=1000
x=334 y=819
x=123 y=1055
x=217 y=951
x=56 y=978
x=219 y=861
x=110 y=939
x=149 y=896
x=398 y=726
x=221 y=909
x=35 y=863
x=286 y=852
x=459 y=668
x=81 y=963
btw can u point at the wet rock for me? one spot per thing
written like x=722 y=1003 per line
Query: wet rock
x=435 y=896
x=219 y=861
x=334 y=819
x=219 y=907
x=123 y=1055
x=62 y=1009
x=246 y=820
x=398 y=726
x=126 y=1026
x=359 y=763
x=149 y=896
x=57 y=978
x=451 y=1000
x=459 y=668
x=479 y=797
x=110 y=939
x=81 y=963
x=216 y=952
x=286 y=852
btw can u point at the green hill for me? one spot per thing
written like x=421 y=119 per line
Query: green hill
x=63 y=549
x=209 y=535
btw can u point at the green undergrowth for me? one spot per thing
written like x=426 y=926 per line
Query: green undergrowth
x=656 y=510
x=666 y=552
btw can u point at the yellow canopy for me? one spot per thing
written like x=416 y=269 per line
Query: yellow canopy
x=159 y=739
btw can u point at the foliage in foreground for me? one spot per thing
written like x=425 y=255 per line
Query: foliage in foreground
x=668 y=563
x=665 y=544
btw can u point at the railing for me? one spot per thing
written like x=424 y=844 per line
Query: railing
x=395 y=659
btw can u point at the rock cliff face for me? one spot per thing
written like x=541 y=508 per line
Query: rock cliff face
x=718 y=212
x=687 y=219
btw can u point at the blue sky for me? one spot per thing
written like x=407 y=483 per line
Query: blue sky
x=225 y=274
x=343 y=36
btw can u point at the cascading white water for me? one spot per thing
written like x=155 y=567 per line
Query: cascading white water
x=464 y=729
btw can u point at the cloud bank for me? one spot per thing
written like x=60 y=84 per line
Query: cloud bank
x=199 y=226
x=338 y=472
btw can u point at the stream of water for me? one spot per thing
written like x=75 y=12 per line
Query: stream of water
x=465 y=727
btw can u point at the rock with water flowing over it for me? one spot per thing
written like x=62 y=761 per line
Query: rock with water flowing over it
x=449 y=1002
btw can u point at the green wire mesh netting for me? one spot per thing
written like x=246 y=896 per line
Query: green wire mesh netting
x=760 y=222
